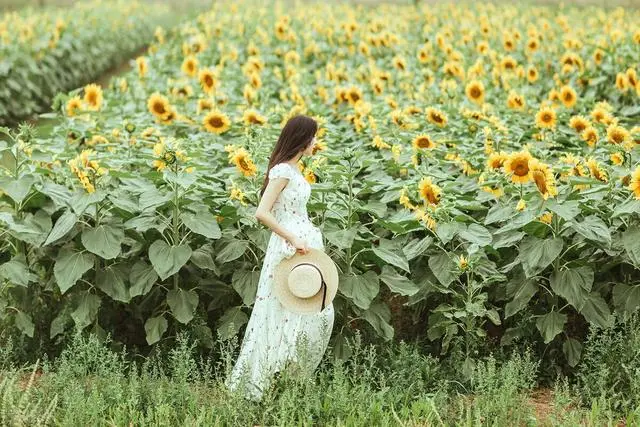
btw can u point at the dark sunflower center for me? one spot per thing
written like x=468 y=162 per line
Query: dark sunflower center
x=521 y=168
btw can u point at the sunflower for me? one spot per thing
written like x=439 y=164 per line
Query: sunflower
x=617 y=134
x=496 y=160
x=423 y=142
x=568 y=96
x=436 y=116
x=532 y=74
x=515 y=101
x=429 y=192
x=475 y=91
x=243 y=162
x=508 y=63
x=204 y=104
x=159 y=106
x=190 y=66
x=546 y=118
x=93 y=96
x=517 y=165
x=600 y=115
x=310 y=176
x=216 y=122
x=579 y=123
x=590 y=136
x=141 y=63
x=252 y=117
x=617 y=159
x=353 y=95
x=634 y=184
x=542 y=176
x=621 y=82
x=207 y=80
x=399 y=63
x=632 y=77
x=73 y=106
x=596 y=171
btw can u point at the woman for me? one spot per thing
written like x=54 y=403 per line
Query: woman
x=275 y=336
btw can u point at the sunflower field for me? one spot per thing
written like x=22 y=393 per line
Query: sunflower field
x=476 y=177
x=46 y=52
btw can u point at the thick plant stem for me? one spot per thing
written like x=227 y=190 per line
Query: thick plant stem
x=175 y=223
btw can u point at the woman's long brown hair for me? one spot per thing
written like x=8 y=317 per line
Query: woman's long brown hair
x=295 y=136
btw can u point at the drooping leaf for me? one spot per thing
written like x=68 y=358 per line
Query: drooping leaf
x=233 y=250
x=417 y=247
x=86 y=310
x=361 y=289
x=596 y=311
x=155 y=327
x=536 y=254
x=550 y=325
x=572 y=350
x=245 y=282
x=142 y=278
x=397 y=282
x=63 y=225
x=573 y=284
x=168 y=260
x=443 y=268
x=103 y=240
x=25 y=324
x=475 y=233
x=202 y=223
x=631 y=243
x=522 y=290
x=231 y=321
x=70 y=266
x=378 y=315
x=626 y=298
x=111 y=281
x=595 y=229
x=392 y=253
x=182 y=304
x=16 y=271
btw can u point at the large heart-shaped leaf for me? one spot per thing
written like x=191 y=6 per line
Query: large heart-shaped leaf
x=86 y=310
x=142 y=278
x=17 y=189
x=475 y=233
x=103 y=240
x=631 y=243
x=595 y=229
x=550 y=325
x=25 y=324
x=168 y=260
x=70 y=266
x=202 y=223
x=182 y=304
x=155 y=327
x=443 y=267
x=536 y=254
x=398 y=283
x=596 y=311
x=361 y=289
x=573 y=284
x=112 y=282
x=246 y=284
x=391 y=252
x=231 y=321
x=63 y=225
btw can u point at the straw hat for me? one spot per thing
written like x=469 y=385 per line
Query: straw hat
x=306 y=283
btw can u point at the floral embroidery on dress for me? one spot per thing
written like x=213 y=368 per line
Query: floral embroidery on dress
x=273 y=334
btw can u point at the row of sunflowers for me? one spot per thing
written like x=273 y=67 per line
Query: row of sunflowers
x=57 y=49
x=476 y=169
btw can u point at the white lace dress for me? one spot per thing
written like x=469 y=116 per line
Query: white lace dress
x=273 y=332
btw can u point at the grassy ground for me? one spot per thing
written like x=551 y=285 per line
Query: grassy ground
x=395 y=385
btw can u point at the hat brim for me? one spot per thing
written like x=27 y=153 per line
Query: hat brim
x=312 y=304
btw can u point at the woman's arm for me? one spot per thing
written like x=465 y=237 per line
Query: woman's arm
x=263 y=211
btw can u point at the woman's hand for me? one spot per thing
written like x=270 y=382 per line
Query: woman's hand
x=300 y=245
